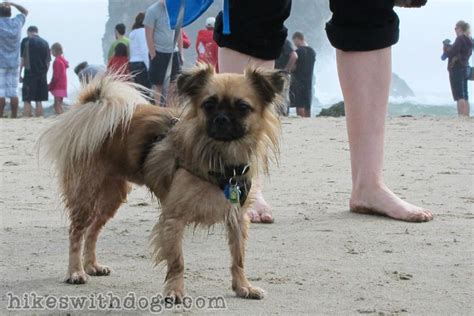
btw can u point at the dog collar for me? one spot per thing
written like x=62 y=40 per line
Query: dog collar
x=235 y=175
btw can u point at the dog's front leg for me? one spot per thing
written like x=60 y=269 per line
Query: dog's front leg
x=238 y=232
x=167 y=244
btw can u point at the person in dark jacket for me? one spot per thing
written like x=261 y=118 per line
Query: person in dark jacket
x=458 y=56
x=35 y=59
x=301 y=88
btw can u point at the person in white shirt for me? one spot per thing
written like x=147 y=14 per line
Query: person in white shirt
x=139 y=59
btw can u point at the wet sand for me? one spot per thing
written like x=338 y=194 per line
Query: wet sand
x=316 y=259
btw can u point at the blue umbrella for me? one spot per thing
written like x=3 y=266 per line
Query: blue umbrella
x=193 y=10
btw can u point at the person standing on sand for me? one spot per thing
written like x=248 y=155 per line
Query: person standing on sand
x=161 y=48
x=10 y=35
x=252 y=33
x=58 y=84
x=206 y=47
x=139 y=60
x=362 y=33
x=458 y=56
x=36 y=59
x=120 y=38
x=301 y=89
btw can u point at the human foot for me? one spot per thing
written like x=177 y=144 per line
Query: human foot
x=259 y=211
x=382 y=201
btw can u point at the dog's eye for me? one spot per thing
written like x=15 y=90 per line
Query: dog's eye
x=243 y=107
x=209 y=105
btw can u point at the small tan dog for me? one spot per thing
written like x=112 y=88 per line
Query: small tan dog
x=199 y=165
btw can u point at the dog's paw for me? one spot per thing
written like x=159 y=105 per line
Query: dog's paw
x=250 y=292
x=79 y=277
x=97 y=270
x=174 y=297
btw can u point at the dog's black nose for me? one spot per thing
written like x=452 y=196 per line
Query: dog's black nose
x=221 y=120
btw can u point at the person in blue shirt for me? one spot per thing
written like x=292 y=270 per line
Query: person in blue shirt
x=10 y=36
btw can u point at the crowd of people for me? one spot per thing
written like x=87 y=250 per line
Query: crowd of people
x=28 y=62
x=142 y=56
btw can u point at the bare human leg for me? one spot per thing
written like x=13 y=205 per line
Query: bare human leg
x=14 y=102
x=301 y=112
x=58 y=105
x=27 y=109
x=3 y=102
x=463 y=108
x=231 y=61
x=365 y=81
x=39 y=109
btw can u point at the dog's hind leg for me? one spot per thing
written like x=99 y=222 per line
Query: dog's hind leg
x=112 y=194
x=237 y=234
x=81 y=215
x=167 y=244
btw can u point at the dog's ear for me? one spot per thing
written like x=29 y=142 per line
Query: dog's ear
x=192 y=81
x=268 y=83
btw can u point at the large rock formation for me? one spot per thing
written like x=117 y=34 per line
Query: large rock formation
x=400 y=88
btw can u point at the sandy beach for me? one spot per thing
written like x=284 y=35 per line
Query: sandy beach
x=318 y=258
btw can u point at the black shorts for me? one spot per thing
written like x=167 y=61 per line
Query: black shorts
x=362 y=25
x=256 y=27
x=35 y=87
x=301 y=95
x=458 y=79
x=159 y=65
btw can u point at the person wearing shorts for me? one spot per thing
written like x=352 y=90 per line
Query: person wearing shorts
x=253 y=35
x=301 y=88
x=363 y=32
x=458 y=56
x=161 y=48
x=10 y=35
x=36 y=59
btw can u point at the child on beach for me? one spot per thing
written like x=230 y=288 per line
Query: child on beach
x=118 y=64
x=58 y=84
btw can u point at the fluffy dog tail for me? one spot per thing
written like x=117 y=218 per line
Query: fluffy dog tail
x=104 y=105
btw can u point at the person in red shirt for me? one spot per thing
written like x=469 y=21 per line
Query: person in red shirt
x=118 y=64
x=186 y=40
x=206 y=47
x=58 y=84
